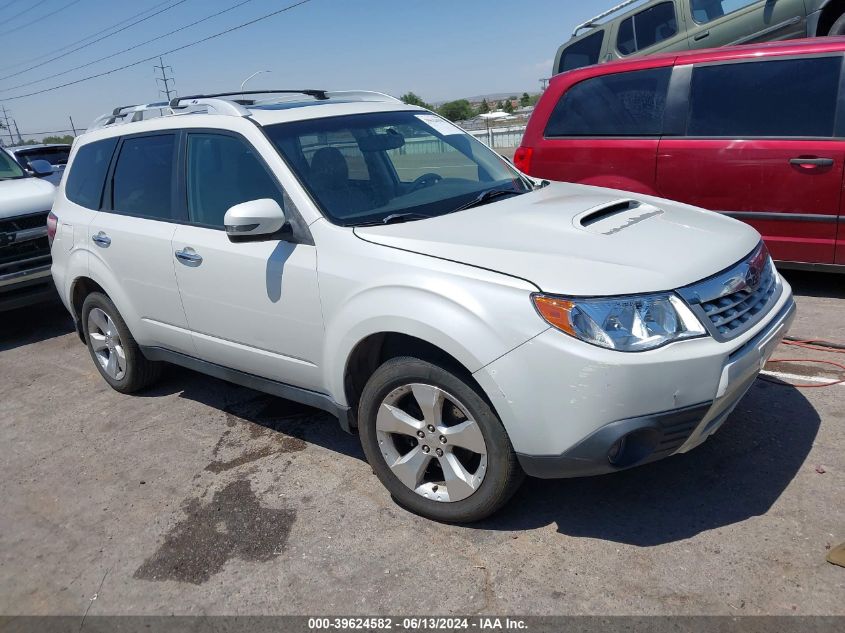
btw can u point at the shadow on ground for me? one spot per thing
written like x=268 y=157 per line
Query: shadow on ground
x=241 y=404
x=738 y=473
x=816 y=284
x=33 y=324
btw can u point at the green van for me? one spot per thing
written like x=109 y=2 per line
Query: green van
x=658 y=26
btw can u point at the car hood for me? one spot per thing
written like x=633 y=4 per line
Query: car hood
x=580 y=240
x=25 y=195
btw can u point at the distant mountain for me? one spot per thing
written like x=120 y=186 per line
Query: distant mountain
x=497 y=96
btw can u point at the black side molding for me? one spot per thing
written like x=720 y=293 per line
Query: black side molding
x=282 y=390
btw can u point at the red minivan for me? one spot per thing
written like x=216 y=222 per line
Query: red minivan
x=754 y=132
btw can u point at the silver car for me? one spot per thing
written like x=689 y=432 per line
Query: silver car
x=55 y=154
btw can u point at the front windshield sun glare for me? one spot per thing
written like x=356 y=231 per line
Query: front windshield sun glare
x=402 y=165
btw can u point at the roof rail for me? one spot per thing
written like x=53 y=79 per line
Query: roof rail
x=127 y=114
x=361 y=95
x=319 y=95
x=591 y=23
x=218 y=103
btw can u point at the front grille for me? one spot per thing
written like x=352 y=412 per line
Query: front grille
x=19 y=252
x=732 y=311
x=32 y=221
x=732 y=301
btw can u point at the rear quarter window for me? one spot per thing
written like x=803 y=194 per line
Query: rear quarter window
x=622 y=104
x=584 y=52
x=87 y=174
x=795 y=97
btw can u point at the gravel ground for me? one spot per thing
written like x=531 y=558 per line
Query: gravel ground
x=200 y=497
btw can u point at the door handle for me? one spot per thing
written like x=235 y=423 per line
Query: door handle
x=101 y=239
x=811 y=161
x=189 y=256
x=701 y=36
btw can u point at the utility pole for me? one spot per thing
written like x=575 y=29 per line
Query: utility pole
x=8 y=127
x=18 y=132
x=164 y=79
x=72 y=126
x=544 y=83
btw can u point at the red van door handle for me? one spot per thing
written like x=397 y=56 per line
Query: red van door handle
x=811 y=161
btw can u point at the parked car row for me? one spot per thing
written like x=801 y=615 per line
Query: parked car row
x=472 y=324
x=754 y=132
x=660 y=26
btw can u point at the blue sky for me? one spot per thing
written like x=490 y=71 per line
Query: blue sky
x=440 y=50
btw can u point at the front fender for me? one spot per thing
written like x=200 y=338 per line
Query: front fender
x=473 y=329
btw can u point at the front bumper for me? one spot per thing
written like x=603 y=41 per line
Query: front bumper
x=564 y=403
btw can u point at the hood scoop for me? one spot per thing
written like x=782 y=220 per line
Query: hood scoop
x=616 y=216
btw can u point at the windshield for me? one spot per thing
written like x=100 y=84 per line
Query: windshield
x=377 y=167
x=9 y=168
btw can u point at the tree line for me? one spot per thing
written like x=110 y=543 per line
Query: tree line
x=462 y=109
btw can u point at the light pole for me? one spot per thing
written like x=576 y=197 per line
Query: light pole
x=257 y=72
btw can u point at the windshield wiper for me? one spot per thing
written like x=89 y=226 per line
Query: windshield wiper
x=485 y=197
x=395 y=218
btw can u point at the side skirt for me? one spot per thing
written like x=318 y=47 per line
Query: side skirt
x=282 y=390
x=818 y=268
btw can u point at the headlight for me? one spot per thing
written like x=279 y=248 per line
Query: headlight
x=626 y=324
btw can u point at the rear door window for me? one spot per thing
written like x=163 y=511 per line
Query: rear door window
x=647 y=28
x=584 y=52
x=87 y=176
x=143 y=177
x=622 y=104
x=789 y=98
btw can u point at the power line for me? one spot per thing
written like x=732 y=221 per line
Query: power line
x=169 y=52
x=39 y=19
x=121 y=52
x=79 y=48
x=165 y=79
x=7 y=126
x=8 y=4
x=73 y=131
x=89 y=37
x=27 y=10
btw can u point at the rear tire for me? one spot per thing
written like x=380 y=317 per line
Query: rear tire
x=113 y=349
x=838 y=27
x=435 y=442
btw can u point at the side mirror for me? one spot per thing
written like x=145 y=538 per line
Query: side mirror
x=40 y=168
x=255 y=219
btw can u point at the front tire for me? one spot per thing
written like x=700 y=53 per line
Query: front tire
x=113 y=349
x=435 y=442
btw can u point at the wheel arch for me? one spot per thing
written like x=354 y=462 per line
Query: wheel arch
x=375 y=349
x=80 y=288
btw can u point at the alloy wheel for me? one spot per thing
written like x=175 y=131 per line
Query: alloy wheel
x=106 y=344
x=431 y=443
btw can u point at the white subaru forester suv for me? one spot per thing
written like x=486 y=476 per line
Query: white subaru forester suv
x=369 y=258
